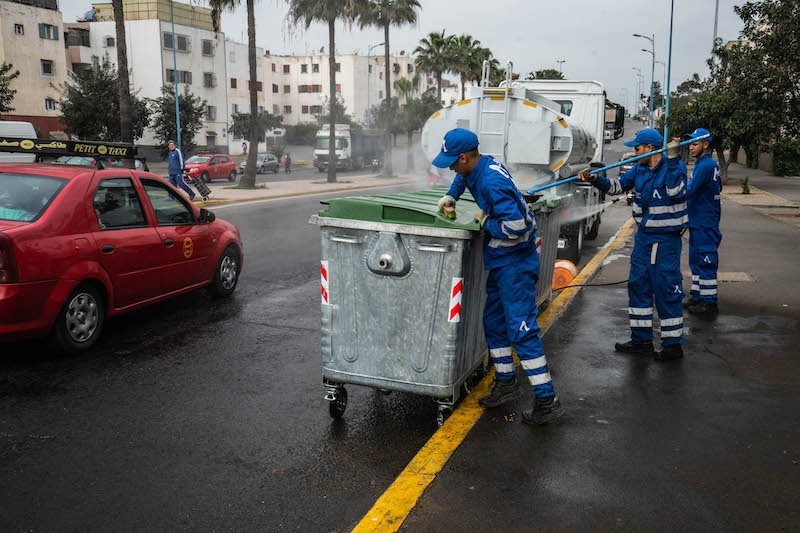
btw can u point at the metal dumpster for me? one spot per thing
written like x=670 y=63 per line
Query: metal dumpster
x=402 y=295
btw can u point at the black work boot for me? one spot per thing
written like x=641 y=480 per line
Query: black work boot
x=707 y=309
x=544 y=410
x=502 y=392
x=689 y=304
x=669 y=353
x=645 y=348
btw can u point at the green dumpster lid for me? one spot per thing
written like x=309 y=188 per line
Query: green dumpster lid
x=419 y=208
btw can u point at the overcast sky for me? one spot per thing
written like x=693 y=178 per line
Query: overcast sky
x=593 y=37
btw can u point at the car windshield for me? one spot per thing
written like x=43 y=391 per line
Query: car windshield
x=198 y=159
x=24 y=197
x=75 y=160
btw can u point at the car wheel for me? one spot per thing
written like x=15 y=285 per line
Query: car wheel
x=595 y=229
x=262 y=169
x=232 y=177
x=205 y=177
x=80 y=322
x=226 y=276
x=275 y=171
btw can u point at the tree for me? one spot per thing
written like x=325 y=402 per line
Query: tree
x=335 y=111
x=192 y=109
x=545 y=74
x=383 y=14
x=241 y=127
x=123 y=81
x=248 y=180
x=6 y=92
x=467 y=58
x=90 y=106
x=407 y=87
x=498 y=74
x=433 y=55
x=306 y=12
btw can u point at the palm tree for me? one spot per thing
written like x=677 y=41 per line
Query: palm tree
x=123 y=81
x=468 y=57
x=433 y=55
x=248 y=180
x=382 y=14
x=407 y=87
x=306 y=12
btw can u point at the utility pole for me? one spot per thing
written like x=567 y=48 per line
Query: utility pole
x=716 y=19
x=560 y=62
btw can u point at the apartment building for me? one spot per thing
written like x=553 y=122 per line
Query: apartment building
x=31 y=39
x=238 y=85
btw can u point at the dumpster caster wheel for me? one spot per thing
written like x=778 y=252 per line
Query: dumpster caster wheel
x=469 y=384
x=205 y=198
x=442 y=414
x=337 y=406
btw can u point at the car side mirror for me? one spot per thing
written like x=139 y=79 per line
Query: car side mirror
x=206 y=216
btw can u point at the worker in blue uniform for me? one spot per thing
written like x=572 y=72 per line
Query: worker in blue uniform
x=659 y=210
x=175 y=168
x=509 y=254
x=703 y=202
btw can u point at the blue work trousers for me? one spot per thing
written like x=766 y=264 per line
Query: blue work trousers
x=655 y=277
x=509 y=321
x=704 y=261
x=178 y=181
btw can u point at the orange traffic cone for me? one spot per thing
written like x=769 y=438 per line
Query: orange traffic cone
x=563 y=274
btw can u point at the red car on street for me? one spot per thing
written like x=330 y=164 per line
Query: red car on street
x=79 y=245
x=209 y=167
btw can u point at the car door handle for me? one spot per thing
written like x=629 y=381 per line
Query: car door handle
x=107 y=248
x=169 y=242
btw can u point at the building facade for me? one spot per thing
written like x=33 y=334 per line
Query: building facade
x=31 y=39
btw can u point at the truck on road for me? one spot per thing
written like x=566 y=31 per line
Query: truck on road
x=355 y=148
x=615 y=121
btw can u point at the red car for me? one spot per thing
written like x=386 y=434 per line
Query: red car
x=210 y=167
x=79 y=245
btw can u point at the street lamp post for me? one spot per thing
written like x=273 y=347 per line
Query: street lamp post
x=652 y=52
x=663 y=87
x=669 y=68
x=369 y=74
x=560 y=62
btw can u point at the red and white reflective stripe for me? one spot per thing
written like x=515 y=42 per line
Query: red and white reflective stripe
x=456 y=290
x=538 y=245
x=323 y=279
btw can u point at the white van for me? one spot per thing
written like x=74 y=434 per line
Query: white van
x=14 y=128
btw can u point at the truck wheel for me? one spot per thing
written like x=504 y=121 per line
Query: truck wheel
x=573 y=246
x=595 y=229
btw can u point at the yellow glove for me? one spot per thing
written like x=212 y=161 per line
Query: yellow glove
x=673 y=149
x=481 y=217
x=447 y=206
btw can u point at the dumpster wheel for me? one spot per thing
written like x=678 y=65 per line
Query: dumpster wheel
x=442 y=414
x=337 y=406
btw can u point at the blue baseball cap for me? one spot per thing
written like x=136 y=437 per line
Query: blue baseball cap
x=456 y=142
x=646 y=136
x=699 y=132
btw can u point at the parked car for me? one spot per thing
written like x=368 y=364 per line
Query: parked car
x=264 y=163
x=86 y=161
x=210 y=167
x=79 y=245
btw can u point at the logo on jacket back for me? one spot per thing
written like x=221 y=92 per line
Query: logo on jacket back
x=656 y=195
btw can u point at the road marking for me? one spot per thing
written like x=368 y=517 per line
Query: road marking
x=397 y=502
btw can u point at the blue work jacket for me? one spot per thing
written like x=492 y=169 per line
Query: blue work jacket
x=703 y=194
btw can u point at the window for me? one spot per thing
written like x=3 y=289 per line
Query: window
x=183 y=42
x=287 y=109
x=117 y=205
x=370 y=69
x=208 y=47
x=273 y=67
x=338 y=67
x=304 y=110
x=211 y=112
x=396 y=68
x=209 y=79
x=380 y=94
x=48 y=31
x=566 y=106
x=170 y=208
x=233 y=83
x=49 y=104
x=316 y=88
x=48 y=67
x=304 y=68
x=184 y=76
x=275 y=88
x=275 y=109
x=259 y=85
x=286 y=69
x=19 y=29
x=410 y=68
x=232 y=57
x=380 y=75
x=338 y=87
x=287 y=89
x=235 y=108
x=316 y=109
x=261 y=109
x=314 y=67
x=167 y=38
x=109 y=41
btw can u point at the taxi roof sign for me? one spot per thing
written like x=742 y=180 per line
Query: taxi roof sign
x=56 y=147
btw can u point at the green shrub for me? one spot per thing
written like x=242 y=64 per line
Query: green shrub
x=301 y=134
x=786 y=156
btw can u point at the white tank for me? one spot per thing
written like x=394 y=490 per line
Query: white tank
x=520 y=128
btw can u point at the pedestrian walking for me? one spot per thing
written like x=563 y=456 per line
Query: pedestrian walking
x=175 y=168
x=287 y=163
x=509 y=254
x=703 y=205
x=244 y=148
x=659 y=210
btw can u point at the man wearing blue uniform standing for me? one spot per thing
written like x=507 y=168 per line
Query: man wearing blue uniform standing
x=509 y=254
x=175 y=168
x=703 y=201
x=659 y=210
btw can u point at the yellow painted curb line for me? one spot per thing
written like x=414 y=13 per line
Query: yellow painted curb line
x=397 y=502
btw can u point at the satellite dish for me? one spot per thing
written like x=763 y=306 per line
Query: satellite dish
x=402 y=52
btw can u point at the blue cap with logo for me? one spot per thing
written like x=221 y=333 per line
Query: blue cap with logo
x=456 y=142
x=699 y=132
x=646 y=136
